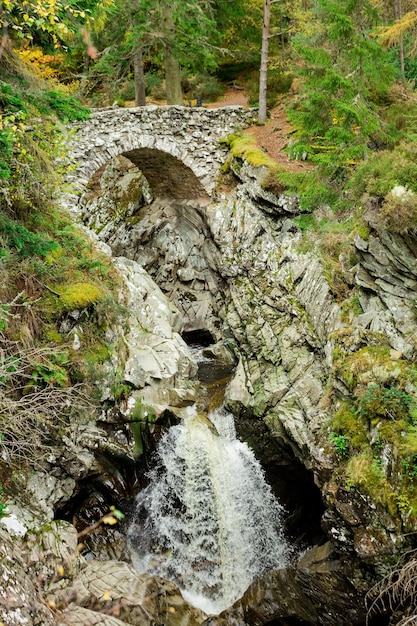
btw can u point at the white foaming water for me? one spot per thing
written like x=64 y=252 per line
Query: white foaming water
x=208 y=521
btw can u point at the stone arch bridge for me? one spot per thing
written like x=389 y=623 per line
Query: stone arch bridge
x=177 y=148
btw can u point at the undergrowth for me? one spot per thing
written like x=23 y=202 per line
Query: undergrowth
x=58 y=294
x=375 y=431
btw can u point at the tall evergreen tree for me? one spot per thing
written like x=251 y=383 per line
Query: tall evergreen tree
x=345 y=74
x=264 y=62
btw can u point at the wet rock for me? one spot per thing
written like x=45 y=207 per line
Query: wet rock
x=234 y=267
x=299 y=597
x=115 y=589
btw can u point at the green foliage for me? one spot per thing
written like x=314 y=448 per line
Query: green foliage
x=379 y=423
x=385 y=170
x=340 y=442
x=154 y=85
x=50 y=372
x=26 y=20
x=347 y=423
x=279 y=81
x=388 y=403
x=66 y=108
x=345 y=75
x=27 y=243
x=398 y=212
x=184 y=30
x=351 y=306
x=11 y=101
x=311 y=187
x=204 y=86
x=3 y=505
x=6 y=147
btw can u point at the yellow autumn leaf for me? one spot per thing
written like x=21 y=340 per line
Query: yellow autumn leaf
x=109 y=519
x=60 y=570
x=25 y=17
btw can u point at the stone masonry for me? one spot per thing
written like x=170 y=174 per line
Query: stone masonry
x=177 y=148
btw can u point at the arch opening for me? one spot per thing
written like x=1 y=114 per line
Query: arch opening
x=167 y=176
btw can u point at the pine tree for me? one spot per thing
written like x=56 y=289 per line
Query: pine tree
x=345 y=74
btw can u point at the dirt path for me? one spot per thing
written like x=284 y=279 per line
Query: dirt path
x=273 y=137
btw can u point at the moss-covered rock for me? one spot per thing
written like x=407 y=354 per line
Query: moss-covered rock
x=79 y=295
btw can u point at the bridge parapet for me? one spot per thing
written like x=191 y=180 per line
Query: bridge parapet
x=176 y=147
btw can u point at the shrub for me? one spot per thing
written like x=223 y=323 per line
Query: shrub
x=34 y=413
x=399 y=210
x=279 y=82
x=389 y=403
x=340 y=442
x=154 y=86
x=384 y=170
x=206 y=87
x=11 y=100
x=66 y=108
x=23 y=240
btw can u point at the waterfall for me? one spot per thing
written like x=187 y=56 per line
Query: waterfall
x=207 y=521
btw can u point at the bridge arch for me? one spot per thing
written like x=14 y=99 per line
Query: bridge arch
x=178 y=149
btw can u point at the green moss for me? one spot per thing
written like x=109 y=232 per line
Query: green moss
x=386 y=402
x=365 y=472
x=362 y=229
x=347 y=422
x=371 y=364
x=79 y=295
x=378 y=426
x=142 y=415
x=52 y=335
x=244 y=147
x=98 y=353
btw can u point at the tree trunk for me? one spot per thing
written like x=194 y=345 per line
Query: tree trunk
x=172 y=66
x=172 y=78
x=398 y=13
x=263 y=74
x=140 y=97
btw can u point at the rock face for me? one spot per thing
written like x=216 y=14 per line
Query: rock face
x=156 y=351
x=50 y=584
x=228 y=261
x=233 y=266
x=388 y=277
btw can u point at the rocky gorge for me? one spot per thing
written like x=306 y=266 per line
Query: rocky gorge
x=229 y=264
